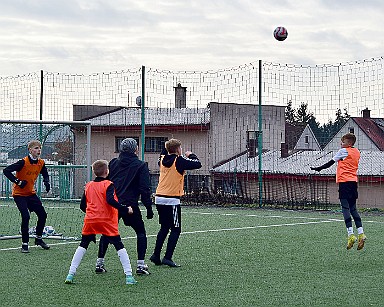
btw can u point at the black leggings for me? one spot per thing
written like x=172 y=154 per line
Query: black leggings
x=27 y=204
x=134 y=220
x=115 y=240
x=348 y=206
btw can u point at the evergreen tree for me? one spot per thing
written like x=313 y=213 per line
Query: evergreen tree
x=290 y=113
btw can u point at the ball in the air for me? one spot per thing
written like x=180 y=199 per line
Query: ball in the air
x=280 y=33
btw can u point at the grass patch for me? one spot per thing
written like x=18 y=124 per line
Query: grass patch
x=229 y=257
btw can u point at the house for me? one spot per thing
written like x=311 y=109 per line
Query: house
x=369 y=133
x=288 y=178
x=215 y=133
x=299 y=136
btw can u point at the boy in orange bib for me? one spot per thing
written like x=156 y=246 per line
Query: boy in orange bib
x=347 y=159
x=23 y=192
x=99 y=202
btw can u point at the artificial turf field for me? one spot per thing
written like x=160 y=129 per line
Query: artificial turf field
x=229 y=257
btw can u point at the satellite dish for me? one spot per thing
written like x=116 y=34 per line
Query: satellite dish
x=138 y=101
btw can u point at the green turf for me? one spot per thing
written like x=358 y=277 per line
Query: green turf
x=285 y=263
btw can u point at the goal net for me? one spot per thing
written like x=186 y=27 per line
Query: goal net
x=67 y=156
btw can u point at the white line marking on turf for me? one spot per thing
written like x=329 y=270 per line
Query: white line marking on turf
x=195 y=232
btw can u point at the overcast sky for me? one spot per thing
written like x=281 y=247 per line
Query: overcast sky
x=88 y=36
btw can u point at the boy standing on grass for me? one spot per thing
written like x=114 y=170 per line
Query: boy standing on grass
x=130 y=177
x=347 y=159
x=101 y=217
x=169 y=190
x=23 y=192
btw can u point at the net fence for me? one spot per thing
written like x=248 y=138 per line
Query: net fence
x=305 y=110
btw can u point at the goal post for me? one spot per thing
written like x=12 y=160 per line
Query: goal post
x=66 y=150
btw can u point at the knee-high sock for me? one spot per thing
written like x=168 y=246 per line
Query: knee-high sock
x=77 y=257
x=125 y=262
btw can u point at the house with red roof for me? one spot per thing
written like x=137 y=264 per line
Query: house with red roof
x=369 y=133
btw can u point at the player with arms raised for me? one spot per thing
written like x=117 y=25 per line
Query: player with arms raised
x=347 y=159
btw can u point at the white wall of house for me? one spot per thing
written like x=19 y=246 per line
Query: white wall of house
x=229 y=124
x=307 y=140
x=363 y=142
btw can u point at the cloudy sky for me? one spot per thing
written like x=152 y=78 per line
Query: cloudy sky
x=87 y=36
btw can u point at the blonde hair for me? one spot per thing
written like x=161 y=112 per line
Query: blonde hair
x=100 y=167
x=172 y=145
x=34 y=143
x=350 y=137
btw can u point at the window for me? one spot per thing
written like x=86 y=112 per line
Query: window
x=155 y=144
x=351 y=130
x=252 y=143
x=118 y=140
x=306 y=139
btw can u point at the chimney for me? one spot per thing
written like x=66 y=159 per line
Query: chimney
x=180 y=96
x=366 y=113
x=284 y=150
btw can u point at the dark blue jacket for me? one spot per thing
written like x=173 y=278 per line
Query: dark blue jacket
x=130 y=177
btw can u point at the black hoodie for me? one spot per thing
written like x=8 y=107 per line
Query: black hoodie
x=130 y=177
x=182 y=163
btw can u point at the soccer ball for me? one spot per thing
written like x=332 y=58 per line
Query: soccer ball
x=280 y=33
x=48 y=230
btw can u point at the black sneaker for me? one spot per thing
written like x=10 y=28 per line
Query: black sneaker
x=142 y=270
x=41 y=243
x=155 y=260
x=24 y=248
x=100 y=268
x=170 y=263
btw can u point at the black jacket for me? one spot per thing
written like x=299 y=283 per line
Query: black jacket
x=182 y=163
x=130 y=177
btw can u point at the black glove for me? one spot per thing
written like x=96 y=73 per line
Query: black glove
x=21 y=183
x=149 y=213
x=47 y=186
x=317 y=169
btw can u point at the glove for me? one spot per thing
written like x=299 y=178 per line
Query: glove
x=47 y=186
x=21 y=183
x=149 y=213
x=317 y=169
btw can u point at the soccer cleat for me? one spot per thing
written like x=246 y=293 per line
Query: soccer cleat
x=156 y=260
x=129 y=280
x=360 y=244
x=351 y=240
x=24 y=248
x=142 y=270
x=69 y=279
x=41 y=243
x=170 y=263
x=100 y=268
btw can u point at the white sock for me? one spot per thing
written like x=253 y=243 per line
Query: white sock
x=360 y=230
x=350 y=231
x=77 y=257
x=100 y=261
x=140 y=263
x=125 y=262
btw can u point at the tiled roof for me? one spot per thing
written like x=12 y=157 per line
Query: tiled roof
x=373 y=128
x=153 y=116
x=371 y=163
